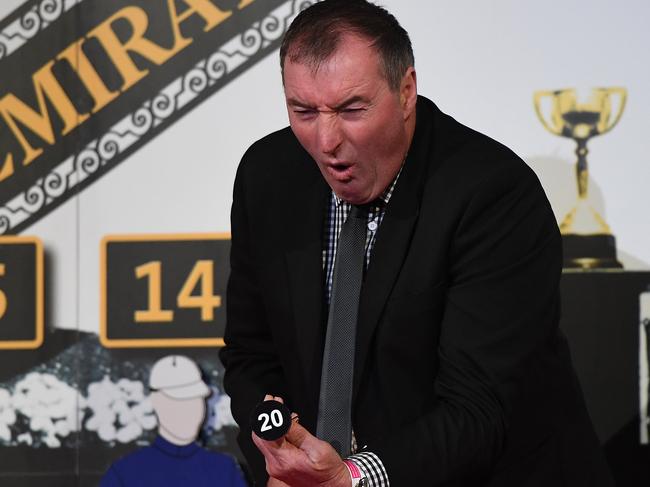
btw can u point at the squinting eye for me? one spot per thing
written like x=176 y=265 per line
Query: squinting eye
x=304 y=113
x=352 y=113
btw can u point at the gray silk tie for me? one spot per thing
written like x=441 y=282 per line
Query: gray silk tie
x=335 y=401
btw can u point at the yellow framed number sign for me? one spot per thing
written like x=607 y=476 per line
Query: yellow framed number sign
x=163 y=290
x=21 y=293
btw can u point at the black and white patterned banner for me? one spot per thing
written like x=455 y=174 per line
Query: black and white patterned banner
x=54 y=142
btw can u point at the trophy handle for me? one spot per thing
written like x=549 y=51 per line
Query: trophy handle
x=622 y=93
x=537 y=101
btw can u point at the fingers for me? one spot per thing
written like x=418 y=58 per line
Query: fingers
x=299 y=458
x=297 y=434
x=264 y=446
x=269 y=397
x=316 y=450
x=282 y=426
x=280 y=456
x=267 y=446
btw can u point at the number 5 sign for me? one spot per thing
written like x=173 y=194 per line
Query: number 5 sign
x=21 y=293
x=163 y=290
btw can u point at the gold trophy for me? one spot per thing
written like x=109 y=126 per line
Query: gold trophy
x=588 y=241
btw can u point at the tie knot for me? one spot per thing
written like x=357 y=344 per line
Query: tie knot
x=362 y=211
x=359 y=211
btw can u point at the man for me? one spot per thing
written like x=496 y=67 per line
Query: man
x=460 y=375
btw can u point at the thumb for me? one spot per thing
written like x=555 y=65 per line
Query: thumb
x=301 y=438
x=298 y=435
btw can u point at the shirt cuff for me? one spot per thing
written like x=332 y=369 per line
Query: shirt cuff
x=371 y=467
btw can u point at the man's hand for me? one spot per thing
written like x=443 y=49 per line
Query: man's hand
x=299 y=459
x=275 y=483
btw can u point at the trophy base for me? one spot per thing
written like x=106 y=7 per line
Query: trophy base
x=590 y=252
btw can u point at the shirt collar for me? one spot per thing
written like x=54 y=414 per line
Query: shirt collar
x=174 y=450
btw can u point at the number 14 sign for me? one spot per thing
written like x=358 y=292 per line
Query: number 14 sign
x=163 y=290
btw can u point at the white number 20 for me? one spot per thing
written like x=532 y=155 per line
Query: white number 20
x=276 y=420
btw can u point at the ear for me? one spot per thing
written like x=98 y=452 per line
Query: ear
x=408 y=92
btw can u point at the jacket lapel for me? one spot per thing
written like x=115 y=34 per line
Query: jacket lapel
x=304 y=237
x=392 y=241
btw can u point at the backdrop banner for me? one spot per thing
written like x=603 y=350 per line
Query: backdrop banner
x=122 y=124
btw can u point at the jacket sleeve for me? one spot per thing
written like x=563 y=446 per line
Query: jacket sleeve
x=497 y=334
x=252 y=367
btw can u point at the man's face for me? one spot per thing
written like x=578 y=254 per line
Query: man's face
x=346 y=117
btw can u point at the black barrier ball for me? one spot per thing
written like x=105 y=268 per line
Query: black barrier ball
x=271 y=420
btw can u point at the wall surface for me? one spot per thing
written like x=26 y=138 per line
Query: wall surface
x=480 y=62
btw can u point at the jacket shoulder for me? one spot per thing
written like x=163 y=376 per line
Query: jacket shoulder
x=274 y=166
x=273 y=151
x=469 y=157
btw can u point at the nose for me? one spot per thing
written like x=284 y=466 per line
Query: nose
x=329 y=134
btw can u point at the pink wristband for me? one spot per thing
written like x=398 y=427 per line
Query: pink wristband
x=355 y=473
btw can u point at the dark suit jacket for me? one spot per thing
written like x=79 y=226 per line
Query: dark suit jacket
x=461 y=376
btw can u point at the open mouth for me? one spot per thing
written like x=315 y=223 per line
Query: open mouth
x=340 y=171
